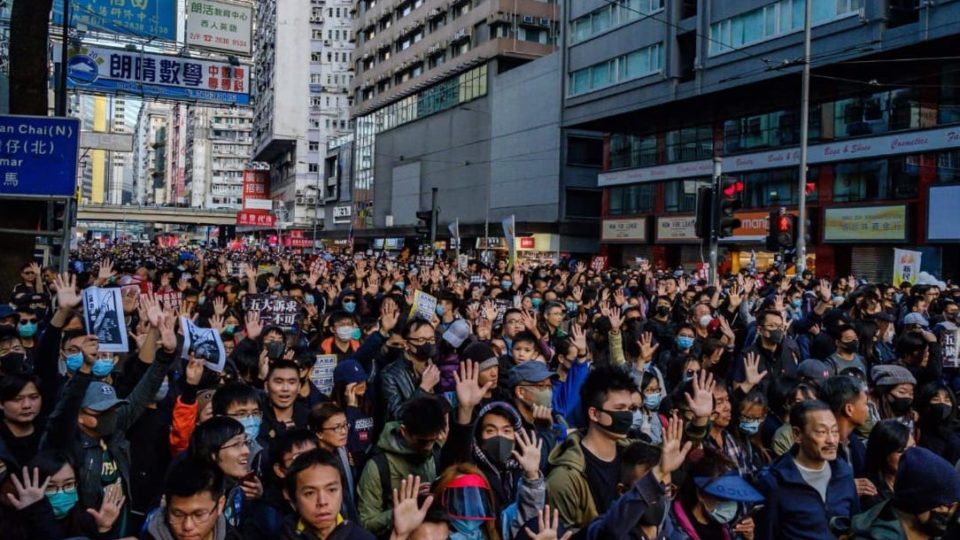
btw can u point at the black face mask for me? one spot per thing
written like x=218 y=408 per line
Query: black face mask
x=900 y=406
x=939 y=412
x=425 y=351
x=662 y=311
x=12 y=363
x=850 y=346
x=497 y=449
x=622 y=420
x=107 y=424
x=275 y=350
x=776 y=336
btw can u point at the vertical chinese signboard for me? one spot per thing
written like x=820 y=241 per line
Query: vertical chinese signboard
x=220 y=26
x=256 y=200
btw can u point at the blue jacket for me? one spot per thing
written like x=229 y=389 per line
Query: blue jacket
x=794 y=509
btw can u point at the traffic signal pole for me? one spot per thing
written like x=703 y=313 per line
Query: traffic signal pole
x=714 y=244
x=433 y=222
x=804 y=128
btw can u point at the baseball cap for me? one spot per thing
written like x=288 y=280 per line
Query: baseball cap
x=813 y=369
x=915 y=318
x=458 y=332
x=100 y=397
x=349 y=371
x=6 y=310
x=729 y=487
x=532 y=371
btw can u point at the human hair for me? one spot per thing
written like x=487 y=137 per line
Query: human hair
x=646 y=378
x=886 y=437
x=525 y=337
x=801 y=411
x=230 y=393
x=839 y=391
x=49 y=463
x=637 y=454
x=319 y=415
x=909 y=343
x=209 y=437
x=191 y=476
x=762 y=318
x=283 y=364
x=841 y=328
x=313 y=458
x=423 y=416
x=926 y=393
x=11 y=385
x=413 y=325
x=69 y=335
x=709 y=463
x=450 y=474
x=338 y=316
x=753 y=398
x=287 y=442
x=600 y=382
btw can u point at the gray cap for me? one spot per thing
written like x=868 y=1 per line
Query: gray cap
x=100 y=397
x=458 y=332
x=891 y=375
x=915 y=318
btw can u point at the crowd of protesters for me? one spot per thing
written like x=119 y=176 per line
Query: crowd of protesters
x=529 y=402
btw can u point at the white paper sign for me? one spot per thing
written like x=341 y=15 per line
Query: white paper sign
x=204 y=343
x=103 y=317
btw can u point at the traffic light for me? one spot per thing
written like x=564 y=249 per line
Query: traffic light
x=783 y=231
x=426 y=223
x=704 y=212
x=731 y=188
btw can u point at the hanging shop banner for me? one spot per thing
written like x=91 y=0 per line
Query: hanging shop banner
x=148 y=75
x=624 y=230
x=143 y=18
x=677 y=229
x=219 y=26
x=38 y=155
x=906 y=266
x=865 y=224
x=255 y=218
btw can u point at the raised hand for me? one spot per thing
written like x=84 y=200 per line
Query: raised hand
x=580 y=341
x=618 y=298
x=542 y=415
x=106 y=270
x=701 y=402
x=736 y=295
x=219 y=306
x=528 y=456
x=407 y=515
x=751 y=364
x=530 y=323
x=168 y=333
x=216 y=322
x=389 y=315
x=469 y=391
x=151 y=306
x=548 y=526
x=194 y=370
x=581 y=267
x=253 y=325
x=67 y=295
x=28 y=491
x=647 y=346
x=673 y=451
x=113 y=500
x=616 y=320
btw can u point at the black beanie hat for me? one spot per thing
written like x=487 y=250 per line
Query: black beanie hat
x=924 y=481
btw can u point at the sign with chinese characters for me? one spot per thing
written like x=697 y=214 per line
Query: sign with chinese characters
x=101 y=69
x=624 y=230
x=906 y=266
x=144 y=18
x=865 y=224
x=527 y=242
x=255 y=219
x=321 y=374
x=256 y=186
x=38 y=155
x=296 y=240
x=341 y=214
x=676 y=229
x=273 y=310
x=221 y=26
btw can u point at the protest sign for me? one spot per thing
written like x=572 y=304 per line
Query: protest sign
x=906 y=266
x=321 y=375
x=103 y=317
x=424 y=306
x=170 y=300
x=274 y=310
x=204 y=343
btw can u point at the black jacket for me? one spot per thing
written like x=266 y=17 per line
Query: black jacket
x=293 y=530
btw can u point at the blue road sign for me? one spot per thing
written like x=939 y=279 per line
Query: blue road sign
x=38 y=155
x=143 y=18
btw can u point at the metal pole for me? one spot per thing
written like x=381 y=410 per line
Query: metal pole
x=715 y=217
x=804 y=136
x=65 y=234
x=61 y=106
x=435 y=212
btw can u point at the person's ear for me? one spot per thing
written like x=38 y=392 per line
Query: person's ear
x=797 y=433
x=621 y=488
x=277 y=470
x=221 y=503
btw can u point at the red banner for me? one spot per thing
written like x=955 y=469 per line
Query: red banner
x=255 y=218
x=256 y=185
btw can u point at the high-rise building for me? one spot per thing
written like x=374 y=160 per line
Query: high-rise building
x=106 y=176
x=218 y=148
x=415 y=58
x=302 y=58
x=151 y=150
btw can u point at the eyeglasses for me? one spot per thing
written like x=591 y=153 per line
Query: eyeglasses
x=198 y=516
x=68 y=486
x=27 y=321
x=541 y=386
x=422 y=341
x=339 y=427
x=238 y=444
x=243 y=414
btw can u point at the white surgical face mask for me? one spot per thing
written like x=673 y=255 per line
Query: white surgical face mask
x=706 y=320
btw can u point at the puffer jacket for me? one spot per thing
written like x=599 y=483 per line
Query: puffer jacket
x=375 y=515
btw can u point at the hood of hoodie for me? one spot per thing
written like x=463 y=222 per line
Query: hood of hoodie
x=510 y=412
x=391 y=441
x=569 y=453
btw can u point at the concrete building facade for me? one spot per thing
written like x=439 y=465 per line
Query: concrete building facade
x=219 y=146
x=151 y=151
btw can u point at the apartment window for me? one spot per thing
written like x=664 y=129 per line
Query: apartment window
x=877 y=113
x=681 y=195
x=773 y=20
x=634 y=65
x=318 y=34
x=316 y=57
x=437 y=23
x=435 y=60
x=585 y=151
x=769 y=130
x=610 y=16
x=629 y=151
x=315 y=101
x=316 y=78
x=688 y=144
x=778 y=187
x=534 y=35
x=627 y=200
x=895 y=178
x=461 y=9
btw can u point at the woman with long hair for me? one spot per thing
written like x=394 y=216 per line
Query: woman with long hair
x=936 y=406
x=888 y=441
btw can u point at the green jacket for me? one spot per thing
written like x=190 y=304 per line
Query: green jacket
x=401 y=461
x=567 y=487
x=877 y=523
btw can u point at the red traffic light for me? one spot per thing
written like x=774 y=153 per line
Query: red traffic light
x=783 y=224
x=732 y=189
x=810 y=187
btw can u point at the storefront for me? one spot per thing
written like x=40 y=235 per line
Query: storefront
x=867 y=235
x=537 y=248
x=681 y=245
x=626 y=241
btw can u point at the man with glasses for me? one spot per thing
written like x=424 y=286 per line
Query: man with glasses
x=531 y=386
x=405 y=448
x=194 y=495
x=415 y=374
